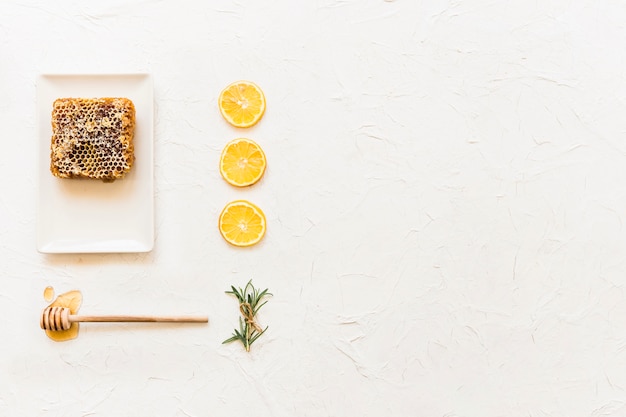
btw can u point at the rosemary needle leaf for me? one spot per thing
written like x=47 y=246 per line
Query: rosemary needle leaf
x=254 y=311
x=257 y=335
x=231 y=339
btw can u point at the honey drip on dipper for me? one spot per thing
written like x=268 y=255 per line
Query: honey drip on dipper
x=71 y=300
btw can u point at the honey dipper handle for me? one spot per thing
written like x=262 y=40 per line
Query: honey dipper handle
x=142 y=319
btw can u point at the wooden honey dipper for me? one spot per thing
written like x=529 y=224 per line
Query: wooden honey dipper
x=59 y=318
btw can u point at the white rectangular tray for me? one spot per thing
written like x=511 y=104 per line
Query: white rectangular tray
x=90 y=216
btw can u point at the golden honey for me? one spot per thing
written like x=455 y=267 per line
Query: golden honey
x=71 y=300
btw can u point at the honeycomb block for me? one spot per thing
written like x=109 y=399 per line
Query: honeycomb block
x=92 y=138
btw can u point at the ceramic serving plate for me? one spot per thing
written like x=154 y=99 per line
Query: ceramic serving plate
x=91 y=216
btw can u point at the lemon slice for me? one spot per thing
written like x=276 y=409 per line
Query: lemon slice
x=242 y=162
x=242 y=103
x=241 y=223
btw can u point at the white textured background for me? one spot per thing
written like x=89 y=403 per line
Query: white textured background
x=445 y=197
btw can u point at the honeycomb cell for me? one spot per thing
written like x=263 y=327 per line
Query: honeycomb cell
x=92 y=138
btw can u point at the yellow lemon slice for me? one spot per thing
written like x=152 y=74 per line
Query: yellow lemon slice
x=241 y=223
x=242 y=162
x=242 y=103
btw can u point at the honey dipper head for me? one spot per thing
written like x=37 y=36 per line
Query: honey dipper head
x=55 y=319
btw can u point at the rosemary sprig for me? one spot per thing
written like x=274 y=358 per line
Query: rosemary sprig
x=250 y=302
